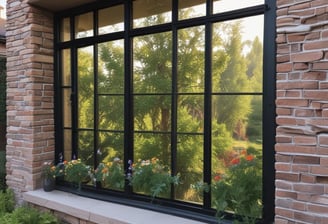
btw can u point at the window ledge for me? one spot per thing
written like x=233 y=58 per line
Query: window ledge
x=99 y=211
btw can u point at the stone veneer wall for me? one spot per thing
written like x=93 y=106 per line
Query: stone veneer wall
x=30 y=114
x=302 y=112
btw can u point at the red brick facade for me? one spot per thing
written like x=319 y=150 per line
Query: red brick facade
x=30 y=116
x=301 y=105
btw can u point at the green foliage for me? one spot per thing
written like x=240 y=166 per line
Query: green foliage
x=7 y=201
x=111 y=174
x=77 y=172
x=238 y=190
x=28 y=215
x=235 y=116
x=2 y=170
x=152 y=177
x=49 y=170
x=21 y=215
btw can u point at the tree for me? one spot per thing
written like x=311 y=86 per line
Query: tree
x=233 y=110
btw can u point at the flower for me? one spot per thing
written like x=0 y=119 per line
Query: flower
x=249 y=157
x=49 y=170
x=217 y=177
x=239 y=190
x=77 y=172
x=152 y=177
x=235 y=161
x=111 y=174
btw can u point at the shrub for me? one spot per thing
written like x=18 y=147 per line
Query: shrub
x=7 y=201
x=21 y=215
x=28 y=215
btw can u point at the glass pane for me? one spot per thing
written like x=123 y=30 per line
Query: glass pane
x=111 y=67
x=65 y=30
x=111 y=146
x=190 y=114
x=238 y=55
x=85 y=87
x=191 y=8
x=152 y=113
x=227 y=5
x=84 y=25
x=152 y=156
x=151 y=12
x=67 y=108
x=189 y=166
x=191 y=60
x=66 y=67
x=152 y=71
x=111 y=112
x=237 y=153
x=111 y=19
x=110 y=153
x=67 y=144
x=86 y=147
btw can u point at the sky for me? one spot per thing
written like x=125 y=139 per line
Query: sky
x=3 y=3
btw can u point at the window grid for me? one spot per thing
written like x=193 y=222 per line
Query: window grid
x=76 y=43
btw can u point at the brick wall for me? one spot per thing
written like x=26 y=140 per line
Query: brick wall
x=302 y=112
x=30 y=119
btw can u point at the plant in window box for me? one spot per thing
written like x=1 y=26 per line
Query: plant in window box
x=152 y=177
x=77 y=172
x=49 y=174
x=238 y=190
x=111 y=174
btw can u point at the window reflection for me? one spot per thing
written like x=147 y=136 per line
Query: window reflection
x=191 y=8
x=84 y=25
x=65 y=32
x=237 y=55
x=111 y=19
x=227 y=5
x=85 y=88
x=191 y=59
x=152 y=70
x=151 y=12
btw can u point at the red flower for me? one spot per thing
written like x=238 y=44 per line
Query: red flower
x=217 y=177
x=235 y=161
x=249 y=157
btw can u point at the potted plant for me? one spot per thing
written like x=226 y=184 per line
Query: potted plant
x=49 y=174
x=77 y=172
x=152 y=177
x=111 y=174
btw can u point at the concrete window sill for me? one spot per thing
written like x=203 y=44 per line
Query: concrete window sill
x=99 y=211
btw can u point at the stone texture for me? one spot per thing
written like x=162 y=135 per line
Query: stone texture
x=30 y=119
x=302 y=128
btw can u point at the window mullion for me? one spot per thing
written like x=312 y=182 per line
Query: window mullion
x=128 y=90
x=174 y=106
x=207 y=110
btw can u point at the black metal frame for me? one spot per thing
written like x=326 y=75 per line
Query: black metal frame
x=268 y=9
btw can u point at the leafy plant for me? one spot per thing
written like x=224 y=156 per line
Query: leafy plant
x=28 y=215
x=7 y=201
x=21 y=215
x=238 y=190
x=49 y=170
x=152 y=177
x=111 y=174
x=77 y=172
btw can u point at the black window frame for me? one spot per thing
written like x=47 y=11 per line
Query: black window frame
x=177 y=208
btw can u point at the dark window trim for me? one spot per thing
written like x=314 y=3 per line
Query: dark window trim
x=268 y=105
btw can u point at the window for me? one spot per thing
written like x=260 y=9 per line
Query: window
x=179 y=81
